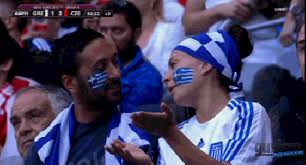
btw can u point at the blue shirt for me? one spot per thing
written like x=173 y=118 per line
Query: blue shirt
x=141 y=82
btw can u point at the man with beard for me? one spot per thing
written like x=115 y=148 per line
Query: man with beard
x=141 y=81
x=88 y=69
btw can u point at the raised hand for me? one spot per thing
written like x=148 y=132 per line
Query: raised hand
x=129 y=152
x=237 y=9
x=156 y=123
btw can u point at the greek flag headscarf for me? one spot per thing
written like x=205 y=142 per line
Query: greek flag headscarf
x=217 y=49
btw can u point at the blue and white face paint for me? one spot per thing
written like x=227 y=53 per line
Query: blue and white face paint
x=183 y=76
x=97 y=80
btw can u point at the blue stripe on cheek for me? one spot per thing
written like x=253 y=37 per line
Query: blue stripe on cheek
x=97 y=80
x=183 y=76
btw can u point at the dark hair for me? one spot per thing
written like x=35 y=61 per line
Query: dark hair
x=9 y=49
x=127 y=9
x=21 y=24
x=244 y=46
x=66 y=49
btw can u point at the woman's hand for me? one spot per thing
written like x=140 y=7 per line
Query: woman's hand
x=129 y=152
x=157 y=123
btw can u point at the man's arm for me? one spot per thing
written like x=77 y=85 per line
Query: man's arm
x=198 y=19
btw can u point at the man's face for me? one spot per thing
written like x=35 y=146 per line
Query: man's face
x=91 y=23
x=119 y=30
x=99 y=55
x=5 y=15
x=31 y=113
x=45 y=28
x=301 y=50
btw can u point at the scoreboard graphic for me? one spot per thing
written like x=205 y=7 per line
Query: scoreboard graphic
x=60 y=11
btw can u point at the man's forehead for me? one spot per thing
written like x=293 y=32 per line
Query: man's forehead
x=115 y=20
x=30 y=98
x=97 y=46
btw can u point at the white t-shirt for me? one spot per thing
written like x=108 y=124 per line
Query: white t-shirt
x=165 y=37
x=230 y=136
x=173 y=11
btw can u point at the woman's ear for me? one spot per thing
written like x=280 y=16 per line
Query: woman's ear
x=70 y=83
x=205 y=68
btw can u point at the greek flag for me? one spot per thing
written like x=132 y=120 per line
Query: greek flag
x=182 y=76
x=53 y=144
x=217 y=49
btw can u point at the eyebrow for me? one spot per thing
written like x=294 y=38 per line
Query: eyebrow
x=172 y=59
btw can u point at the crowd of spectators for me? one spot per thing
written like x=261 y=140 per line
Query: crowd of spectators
x=59 y=76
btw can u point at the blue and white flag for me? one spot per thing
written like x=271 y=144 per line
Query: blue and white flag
x=54 y=143
x=217 y=49
x=182 y=76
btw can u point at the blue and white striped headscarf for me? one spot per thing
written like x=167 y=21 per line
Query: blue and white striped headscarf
x=216 y=48
x=219 y=50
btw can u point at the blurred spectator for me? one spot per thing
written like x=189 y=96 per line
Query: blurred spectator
x=301 y=50
x=92 y=23
x=141 y=82
x=173 y=11
x=293 y=21
x=45 y=28
x=211 y=15
x=69 y=25
x=14 y=25
x=10 y=59
x=33 y=110
x=284 y=98
x=183 y=2
x=37 y=60
x=88 y=69
x=256 y=16
x=159 y=35
x=204 y=15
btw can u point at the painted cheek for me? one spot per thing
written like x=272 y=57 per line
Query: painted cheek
x=183 y=76
x=97 y=80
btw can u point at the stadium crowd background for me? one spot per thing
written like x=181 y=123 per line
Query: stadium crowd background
x=271 y=75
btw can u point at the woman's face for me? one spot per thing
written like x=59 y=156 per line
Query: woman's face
x=183 y=94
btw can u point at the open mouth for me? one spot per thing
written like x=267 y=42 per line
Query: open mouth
x=171 y=88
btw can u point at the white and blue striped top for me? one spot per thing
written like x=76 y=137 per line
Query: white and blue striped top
x=230 y=136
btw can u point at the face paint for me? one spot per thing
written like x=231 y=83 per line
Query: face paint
x=97 y=79
x=182 y=76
